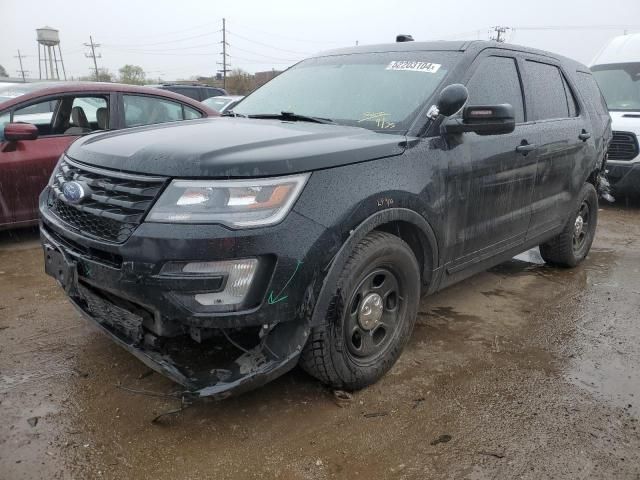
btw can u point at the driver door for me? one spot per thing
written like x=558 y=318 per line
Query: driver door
x=491 y=178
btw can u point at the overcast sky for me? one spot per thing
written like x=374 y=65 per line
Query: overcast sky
x=176 y=39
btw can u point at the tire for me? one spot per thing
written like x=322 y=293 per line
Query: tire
x=352 y=350
x=572 y=245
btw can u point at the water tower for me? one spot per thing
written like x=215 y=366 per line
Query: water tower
x=48 y=40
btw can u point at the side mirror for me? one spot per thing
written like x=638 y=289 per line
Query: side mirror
x=14 y=132
x=452 y=98
x=483 y=120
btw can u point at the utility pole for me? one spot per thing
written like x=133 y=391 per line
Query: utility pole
x=499 y=33
x=224 y=54
x=22 y=71
x=93 y=54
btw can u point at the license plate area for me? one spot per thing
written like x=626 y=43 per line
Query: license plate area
x=60 y=268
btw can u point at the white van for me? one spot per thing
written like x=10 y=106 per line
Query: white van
x=617 y=71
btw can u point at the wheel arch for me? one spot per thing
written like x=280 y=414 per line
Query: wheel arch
x=406 y=224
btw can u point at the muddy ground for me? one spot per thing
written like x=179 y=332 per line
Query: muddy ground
x=525 y=371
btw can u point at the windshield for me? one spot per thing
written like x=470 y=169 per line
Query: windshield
x=378 y=91
x=620 y=85
x=217 y=103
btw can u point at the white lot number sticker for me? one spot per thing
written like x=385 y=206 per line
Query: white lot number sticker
x=408 y=65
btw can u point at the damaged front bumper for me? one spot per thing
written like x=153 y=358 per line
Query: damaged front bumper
x=272 y=357
x=211 y=353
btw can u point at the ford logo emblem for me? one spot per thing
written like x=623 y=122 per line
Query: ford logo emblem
x=74 y=192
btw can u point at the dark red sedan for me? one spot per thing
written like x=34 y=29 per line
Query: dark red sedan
x=38 y=121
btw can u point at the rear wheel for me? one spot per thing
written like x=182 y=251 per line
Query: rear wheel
x=371 y=315
x=572 y=245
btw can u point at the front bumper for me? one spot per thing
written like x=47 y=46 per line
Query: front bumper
x=119 y=288
x=624 y=177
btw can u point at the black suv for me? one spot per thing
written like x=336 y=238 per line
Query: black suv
x=304 y=226
x=196 y=91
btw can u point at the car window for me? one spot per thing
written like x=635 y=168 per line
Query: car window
x=546 y=91
x=4 y=119
x=591 y=93
x=211 y=92
x=217 y=103
x=620 y=85
x=191 y=113
x=497 y=81
x=143 y=110
x=37 y=114
x=191 y=92
x=90 y=106
x=379 y=91
x=571 y=100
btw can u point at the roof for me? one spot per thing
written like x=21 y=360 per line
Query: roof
x=623 y=49
x=440 y=45
x=28 y=91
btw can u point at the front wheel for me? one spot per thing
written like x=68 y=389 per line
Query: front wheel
x=371 y=315
x=572 y=245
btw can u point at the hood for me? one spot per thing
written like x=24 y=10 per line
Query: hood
x=233 y=147
x=625 y=122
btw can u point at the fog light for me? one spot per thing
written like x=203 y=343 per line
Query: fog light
x=239 y=273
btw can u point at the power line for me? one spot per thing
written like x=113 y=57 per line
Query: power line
x=93 y=54
x=266 y=45
x=262 y=62
x=188 y=47
x=165 y=34
x=580 y=27
x=22 y=71
x=262 y=55
x=320 y=42
x=163 y=42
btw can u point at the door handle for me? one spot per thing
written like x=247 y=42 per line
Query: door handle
x=524 y=148
x=584 y=136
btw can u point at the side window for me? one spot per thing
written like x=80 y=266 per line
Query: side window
x=90 y=107
x=191 y=113
x=5 y=118
x=546 y=91
x=571 y=100
x=496 y=81
x=39 y=114
x=191 y=92
x=143 y=110
x=591 y=93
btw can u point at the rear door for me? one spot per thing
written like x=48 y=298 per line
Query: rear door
x=565 y=143
x=490 y=177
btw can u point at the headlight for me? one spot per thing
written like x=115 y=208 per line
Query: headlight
x=235 y=203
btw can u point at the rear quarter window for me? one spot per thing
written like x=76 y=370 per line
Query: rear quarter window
x=591 y=93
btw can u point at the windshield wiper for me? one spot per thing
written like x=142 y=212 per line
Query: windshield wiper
x=231 y=113
x=294 y=117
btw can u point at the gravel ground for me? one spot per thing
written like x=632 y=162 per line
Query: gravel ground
x=525 y=371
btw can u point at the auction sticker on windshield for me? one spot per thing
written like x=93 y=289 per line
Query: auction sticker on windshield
x=407 y=65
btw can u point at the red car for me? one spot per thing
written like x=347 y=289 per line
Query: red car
x=38 y=121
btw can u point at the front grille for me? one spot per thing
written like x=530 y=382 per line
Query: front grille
x=623 y=146
x=115 y=203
